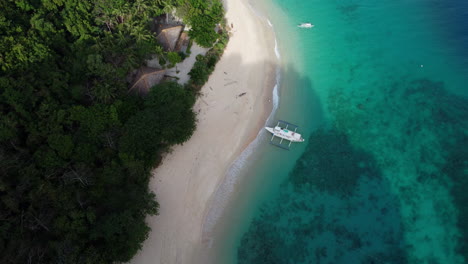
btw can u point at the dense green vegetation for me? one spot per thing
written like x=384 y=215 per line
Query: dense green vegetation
x=76 y=149
x=203 y=16
x=205 y=65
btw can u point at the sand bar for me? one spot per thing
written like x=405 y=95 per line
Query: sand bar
x=227 y=122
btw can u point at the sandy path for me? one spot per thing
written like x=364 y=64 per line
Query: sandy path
x=227 y=122
x=182 y=69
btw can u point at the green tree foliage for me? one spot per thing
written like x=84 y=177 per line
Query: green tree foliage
x=76 y=149
x=203 y=16
x=173 y=57
x=167 y=118
x=205 y=65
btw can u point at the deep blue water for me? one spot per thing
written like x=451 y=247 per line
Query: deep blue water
x=384 y=178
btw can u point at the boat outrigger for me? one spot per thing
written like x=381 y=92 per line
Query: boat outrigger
x=284 y=130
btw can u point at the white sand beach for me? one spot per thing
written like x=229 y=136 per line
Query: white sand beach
x=227 y=122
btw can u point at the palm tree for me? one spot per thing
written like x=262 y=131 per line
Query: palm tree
x=168 y=7
x=104 y=14
x=104 y=92
x=121 y=38
x=141 y=8
x=138 y=31
x=158 y=49
x=131 y=60
x=121 y=13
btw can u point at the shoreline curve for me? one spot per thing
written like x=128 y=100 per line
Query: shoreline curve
x=223 y=192
x=186 y=182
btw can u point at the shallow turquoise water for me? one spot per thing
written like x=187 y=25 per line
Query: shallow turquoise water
x=380 y=88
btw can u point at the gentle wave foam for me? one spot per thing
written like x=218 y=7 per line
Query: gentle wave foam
x=225 y=189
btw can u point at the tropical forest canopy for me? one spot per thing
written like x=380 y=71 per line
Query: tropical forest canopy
x=76 y=149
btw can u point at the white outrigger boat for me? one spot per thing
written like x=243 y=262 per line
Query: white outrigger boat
x=305 y=25
x=284 y=130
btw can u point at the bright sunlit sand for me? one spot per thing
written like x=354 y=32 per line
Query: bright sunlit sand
x=231 y=110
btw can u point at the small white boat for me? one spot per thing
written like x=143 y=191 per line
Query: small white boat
x=305 y=25
x=284 y=132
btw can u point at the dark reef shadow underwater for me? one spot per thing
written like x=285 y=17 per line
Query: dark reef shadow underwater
x=386 y=179
x=335 y=207
x=343 y=204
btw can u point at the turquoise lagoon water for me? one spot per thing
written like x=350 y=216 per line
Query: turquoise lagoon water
x=380 y=89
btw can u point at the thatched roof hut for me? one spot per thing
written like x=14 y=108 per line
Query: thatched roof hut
x=183 y=42
x=169 y=36
x=145 y=78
